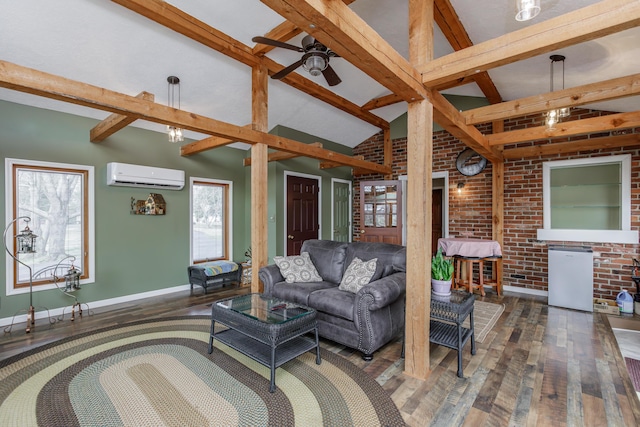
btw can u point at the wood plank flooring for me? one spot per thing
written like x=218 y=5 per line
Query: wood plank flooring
x=539 y=366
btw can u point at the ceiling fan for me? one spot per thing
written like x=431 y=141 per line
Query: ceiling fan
x=315 y=59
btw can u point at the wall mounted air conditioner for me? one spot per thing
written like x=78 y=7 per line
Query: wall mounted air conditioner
x=127 y=175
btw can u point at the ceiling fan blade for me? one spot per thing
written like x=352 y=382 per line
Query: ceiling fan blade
x=276 y=43
x=280 y=74
x=331 y=76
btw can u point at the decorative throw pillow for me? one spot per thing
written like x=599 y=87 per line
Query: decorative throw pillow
x=297 y=268
x=358 y=274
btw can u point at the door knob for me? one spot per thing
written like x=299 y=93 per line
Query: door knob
x=290 y=237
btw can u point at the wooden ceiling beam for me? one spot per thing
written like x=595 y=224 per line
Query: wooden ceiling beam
x=335 y=25
x=50 y=86
x=115 y=122
x=182 y=23
x=331 y=165
x=283 y=32
x=275 y=156
x=617 y=141
x=594 y=92
x=338 y=26
x=392 y=98
x=453 y=30
x=591 y=22
x=207 y=144
x=612 y=122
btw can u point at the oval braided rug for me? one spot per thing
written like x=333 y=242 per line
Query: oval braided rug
x=158 y=372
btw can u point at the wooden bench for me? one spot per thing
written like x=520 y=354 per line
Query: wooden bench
x=215 y=274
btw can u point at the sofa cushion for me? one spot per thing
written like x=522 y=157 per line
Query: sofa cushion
x=299 y=292
x=358 y=274
x=328 y=256
x=333 y=301
x=297 y=268
x=391 y=258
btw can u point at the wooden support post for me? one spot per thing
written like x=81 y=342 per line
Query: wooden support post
x=259 y=175
x=497 y=192
x=419 y=199
x=388 y=151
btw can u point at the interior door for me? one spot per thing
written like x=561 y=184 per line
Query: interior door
x=381 y=211
x=302 y=212
x=341 y=211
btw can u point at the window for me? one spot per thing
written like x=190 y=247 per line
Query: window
x=58 y=199
x=210 y=220
x=588 y=200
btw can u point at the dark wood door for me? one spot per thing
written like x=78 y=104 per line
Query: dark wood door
x=436 y=218
x=381 y=211
x=302 y=212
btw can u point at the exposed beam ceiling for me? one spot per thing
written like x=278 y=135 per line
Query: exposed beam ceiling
x=180 y=22
x=573 y=97
x=335 y=24
x=628 y=140
x=588 y=23
x=47 y=85
x=115 y=122
x=612 y=122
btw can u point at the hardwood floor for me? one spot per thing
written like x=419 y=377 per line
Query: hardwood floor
x=538 y=366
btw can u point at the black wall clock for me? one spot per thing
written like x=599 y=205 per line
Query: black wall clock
x=470 y=163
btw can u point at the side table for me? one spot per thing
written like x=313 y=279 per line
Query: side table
x=447 y=315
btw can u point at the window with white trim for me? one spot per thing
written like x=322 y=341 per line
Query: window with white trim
x=58 y=200
x=210 y=220
x=588 y=200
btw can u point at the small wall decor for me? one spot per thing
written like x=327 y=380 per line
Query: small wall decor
x=153 y=205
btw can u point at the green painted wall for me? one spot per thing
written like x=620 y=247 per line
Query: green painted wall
x=134 y=253
x=302 y=165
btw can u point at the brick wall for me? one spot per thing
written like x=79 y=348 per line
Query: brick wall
x=524 y=257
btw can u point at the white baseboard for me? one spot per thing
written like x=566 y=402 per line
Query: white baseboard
x=96 y=304
x=527 y=291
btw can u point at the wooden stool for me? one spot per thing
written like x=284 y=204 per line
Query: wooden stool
x=496 y=273
x=465 y=265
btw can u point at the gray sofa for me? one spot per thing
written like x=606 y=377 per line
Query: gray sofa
x=365 y=320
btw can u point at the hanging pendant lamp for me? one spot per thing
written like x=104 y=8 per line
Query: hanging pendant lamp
x=175 y=133
x=527 y=9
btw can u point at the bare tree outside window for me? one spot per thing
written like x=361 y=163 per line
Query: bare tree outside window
x=54 y=200
x=209 y=221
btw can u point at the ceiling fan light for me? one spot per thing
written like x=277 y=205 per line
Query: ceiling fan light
x=315 y=65
x=527 y=9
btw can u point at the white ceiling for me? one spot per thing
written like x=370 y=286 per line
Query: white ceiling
x=104 y=44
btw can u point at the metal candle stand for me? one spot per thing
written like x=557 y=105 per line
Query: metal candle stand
x=25 y=244
x=71 y=284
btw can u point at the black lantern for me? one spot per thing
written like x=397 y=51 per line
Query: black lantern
x=26 y=240
x=72 y=279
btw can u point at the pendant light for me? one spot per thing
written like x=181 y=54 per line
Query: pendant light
x=527 y=9
x=175 y=133
x=553 y=117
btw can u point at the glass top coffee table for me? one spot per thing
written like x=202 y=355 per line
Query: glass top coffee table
x=268 y=330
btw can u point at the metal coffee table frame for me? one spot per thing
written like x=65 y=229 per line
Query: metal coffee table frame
x=269 y=331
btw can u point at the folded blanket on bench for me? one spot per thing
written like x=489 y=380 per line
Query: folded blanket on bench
x=213 y=268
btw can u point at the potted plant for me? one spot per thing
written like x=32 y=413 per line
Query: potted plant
x=441 y=274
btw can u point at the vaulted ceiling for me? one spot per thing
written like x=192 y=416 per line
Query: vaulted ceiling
x=131 y=46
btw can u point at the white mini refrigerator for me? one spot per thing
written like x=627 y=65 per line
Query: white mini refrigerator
x=571 y=277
